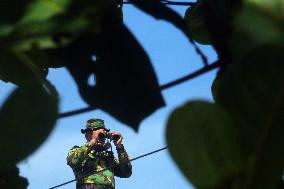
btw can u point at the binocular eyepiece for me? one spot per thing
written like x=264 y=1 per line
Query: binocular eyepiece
x=108 y=136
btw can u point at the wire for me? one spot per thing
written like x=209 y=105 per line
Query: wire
x=110 y=167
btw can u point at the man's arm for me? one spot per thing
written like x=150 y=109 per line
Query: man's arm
x=124 y=167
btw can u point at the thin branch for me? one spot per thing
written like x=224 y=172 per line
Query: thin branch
x=177 y=3
x=75 y=112
x=165 y=2
x=158 y=10
x=191 y=76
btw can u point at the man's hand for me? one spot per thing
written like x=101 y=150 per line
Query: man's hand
x=97 y=139
x=118 y=142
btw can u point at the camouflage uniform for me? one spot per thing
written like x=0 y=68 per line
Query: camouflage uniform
x=84 y=161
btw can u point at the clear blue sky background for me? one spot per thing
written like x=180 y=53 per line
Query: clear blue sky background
x=172 y=57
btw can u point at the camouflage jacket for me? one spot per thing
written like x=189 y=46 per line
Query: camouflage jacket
x=84 y=161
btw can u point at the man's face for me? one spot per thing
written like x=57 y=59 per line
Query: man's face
x=95 y=136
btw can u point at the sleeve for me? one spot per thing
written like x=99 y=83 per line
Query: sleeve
x=124 y=167
x=77 y=155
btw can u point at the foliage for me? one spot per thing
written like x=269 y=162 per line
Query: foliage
x=245 y=123
x=10 y=179
x=30 y=114
x=234 y=142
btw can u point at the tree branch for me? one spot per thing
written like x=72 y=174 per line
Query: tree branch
x=75 y=112
x=166 y=2
x=193 y=75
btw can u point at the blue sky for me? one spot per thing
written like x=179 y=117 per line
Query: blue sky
x=172 y=57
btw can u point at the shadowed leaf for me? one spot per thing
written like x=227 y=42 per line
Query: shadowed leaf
x=194 y=17
x=26 y=118
x=10 y=179
x=11 y=11
x=20 y=69
x=35 y=26
x=252 y=92
x=56 y=23
x=202 y=140
x=218 y=16
x=257 y=23
x=126 y=85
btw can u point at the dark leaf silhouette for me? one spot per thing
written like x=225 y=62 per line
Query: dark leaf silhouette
x=126 y=85
x=10 y=179
x=7 y=13
x=218 y=19
x=22 y=68
x=195 y=19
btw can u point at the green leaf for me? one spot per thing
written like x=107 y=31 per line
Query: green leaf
x=194 y=17
x=257 y=23
x=252 y=92
x=32 y=16
x=56 y=23
x=26 y=118
x=42 y=10
x=273 y=7
x=202 y=140
x=22 y=68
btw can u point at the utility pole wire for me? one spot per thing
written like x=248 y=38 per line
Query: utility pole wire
x=110 y=167
x=166 y=2
x=191 y=76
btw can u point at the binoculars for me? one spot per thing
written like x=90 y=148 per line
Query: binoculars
x=108 y=136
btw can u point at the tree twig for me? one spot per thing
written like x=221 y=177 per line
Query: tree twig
x=191 y=76
x=166 y=2
x=75 y=112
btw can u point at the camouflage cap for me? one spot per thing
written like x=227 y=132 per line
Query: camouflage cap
x=94 y=124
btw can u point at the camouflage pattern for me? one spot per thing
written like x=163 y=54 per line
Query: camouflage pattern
x=94 y=124
x=84 y=161
x=92 y=186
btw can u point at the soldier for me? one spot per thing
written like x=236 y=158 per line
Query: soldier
x=94 y=156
